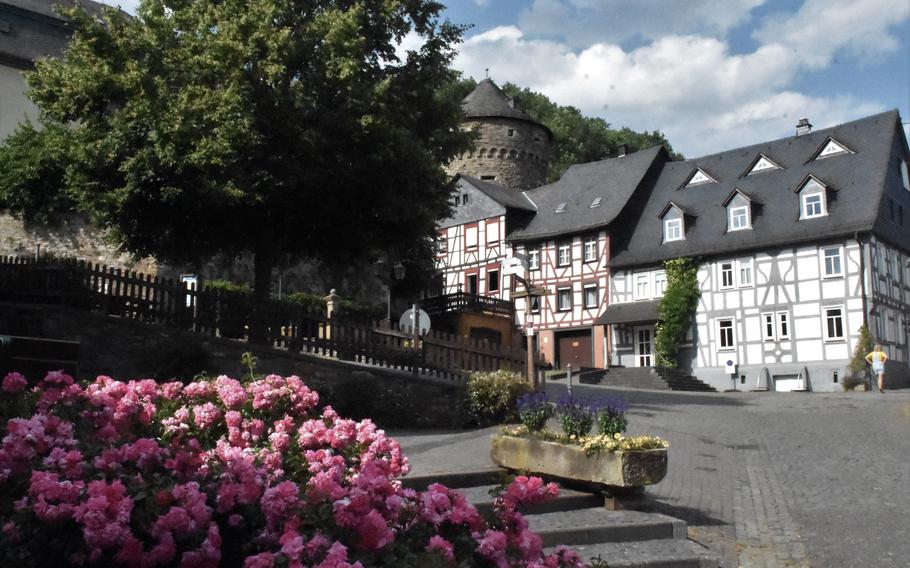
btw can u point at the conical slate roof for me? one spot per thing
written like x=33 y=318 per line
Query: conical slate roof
x=487 y=100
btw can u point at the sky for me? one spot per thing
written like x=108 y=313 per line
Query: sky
x=710 y=74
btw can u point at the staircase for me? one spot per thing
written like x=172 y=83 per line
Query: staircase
x=645 y=378
x=621 y=538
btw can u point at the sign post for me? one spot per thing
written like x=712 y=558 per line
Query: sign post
x=731 y=369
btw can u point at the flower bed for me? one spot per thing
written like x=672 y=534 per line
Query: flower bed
x=223 y=473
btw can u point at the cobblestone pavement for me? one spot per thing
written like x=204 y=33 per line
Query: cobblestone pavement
x=763 y=479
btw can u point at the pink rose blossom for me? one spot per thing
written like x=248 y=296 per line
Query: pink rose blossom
x=14 y=383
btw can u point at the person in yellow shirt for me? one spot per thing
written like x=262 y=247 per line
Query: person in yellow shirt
x=877 y=359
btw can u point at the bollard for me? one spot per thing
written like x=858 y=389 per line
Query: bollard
x=569 y=378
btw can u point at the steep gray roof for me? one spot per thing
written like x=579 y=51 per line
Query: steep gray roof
x=35 y=29
x=613 y=181
x=506 y=197
x=857 y=182
x=488 y=101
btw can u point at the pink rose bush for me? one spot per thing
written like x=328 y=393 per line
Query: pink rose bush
x=223 y=473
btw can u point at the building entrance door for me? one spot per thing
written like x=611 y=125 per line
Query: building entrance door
x=643 y=346
x=575 y=348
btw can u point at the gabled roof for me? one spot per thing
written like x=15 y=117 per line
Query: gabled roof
x=671 y=205
x=614 y=180
x=508 y=198
x=861 y=178
x=830 y=143
x=734 y=193
x=702 y=177
x=761 y=159
x=805 y=181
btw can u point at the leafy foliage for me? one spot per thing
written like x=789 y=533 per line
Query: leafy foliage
x=269 y=125
x=226 y=286
x=858 y=367
x=493 y=397
x=676 y=309
x=576 y=416
x=534 y=410
x=611 y=416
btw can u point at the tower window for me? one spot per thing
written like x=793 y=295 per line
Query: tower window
x=487 y=178
x=511 y=132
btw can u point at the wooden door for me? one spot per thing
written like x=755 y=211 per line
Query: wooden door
x=575 y=348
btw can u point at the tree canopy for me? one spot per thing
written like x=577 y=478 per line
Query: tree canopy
x=576 y=138
x=271 y=127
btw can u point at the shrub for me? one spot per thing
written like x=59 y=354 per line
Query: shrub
x=492 y=397
x=858 y=368
x=611 y=416
x=224 y=473
x=534 y=410
x=851 y=382
x=226 y=286
x=576 y=416
x=311 y=302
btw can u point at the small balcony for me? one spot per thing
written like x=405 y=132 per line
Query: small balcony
x=461 y=302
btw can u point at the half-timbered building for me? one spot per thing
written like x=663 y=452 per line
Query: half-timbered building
x=802 y=241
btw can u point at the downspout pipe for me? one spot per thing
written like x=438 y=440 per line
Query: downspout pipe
x=862 y=279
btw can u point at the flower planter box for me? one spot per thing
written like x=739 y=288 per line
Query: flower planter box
x=615 y=469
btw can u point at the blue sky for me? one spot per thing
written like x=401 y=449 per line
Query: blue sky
x=710 y=74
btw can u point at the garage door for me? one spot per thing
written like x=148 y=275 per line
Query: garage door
x=575 y=348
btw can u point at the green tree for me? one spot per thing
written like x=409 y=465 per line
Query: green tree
x=858 y=367
x=272 y=127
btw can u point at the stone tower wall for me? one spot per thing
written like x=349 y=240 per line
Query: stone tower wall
x=518 y=161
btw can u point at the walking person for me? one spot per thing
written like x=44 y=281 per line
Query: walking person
x=877 y=359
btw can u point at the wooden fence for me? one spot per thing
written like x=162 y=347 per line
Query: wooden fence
x=141 y=297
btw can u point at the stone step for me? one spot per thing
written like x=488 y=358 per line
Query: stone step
x=598 y=525
x=455 y=479
x=568 y=500
x=663 y=553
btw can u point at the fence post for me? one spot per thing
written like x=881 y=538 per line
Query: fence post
x=331 y=304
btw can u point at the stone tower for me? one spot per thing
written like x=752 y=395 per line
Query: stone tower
x=512 y=148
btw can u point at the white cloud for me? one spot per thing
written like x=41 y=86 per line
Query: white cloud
x=695 y=90
x=583 y=22
x=821 y=28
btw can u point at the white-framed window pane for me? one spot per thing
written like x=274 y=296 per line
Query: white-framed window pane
x=564 y=299
x=660 y=284
x=725 y=333
x=783 y=325
x=590 y=250
x=768 y=327
x=673 y=229
x=833 y=264
x=812 y=205
x=470 y=237
x=590 y=296
x=642 y=285
x=745 y=272
x=726 y=275
x=493 y=232
x=534 y=259
x=564 y=257
x=739 y=218
x=834 y=323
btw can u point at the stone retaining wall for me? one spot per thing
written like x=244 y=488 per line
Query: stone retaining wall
x=127 y=349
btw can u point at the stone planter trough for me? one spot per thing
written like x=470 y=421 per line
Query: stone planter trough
x=613 y=469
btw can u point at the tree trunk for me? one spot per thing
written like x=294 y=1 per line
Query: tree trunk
x=263 y=262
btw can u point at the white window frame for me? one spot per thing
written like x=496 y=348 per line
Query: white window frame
x=769 y=326
x=720 y=334
x=659 y=279
x=584 y=296
x=720 y=275
x=843 y=324
x=559 y=296
x=905 y=175
x=822 y=208
x=673 y=230
x=590 y=246
x=563 y=248
x=534 y=258
x=641 y=282
x=468 y=233
x=747 y=264
x=784 y=322
x=840 y=262
x=493 y=232
x=739 y=211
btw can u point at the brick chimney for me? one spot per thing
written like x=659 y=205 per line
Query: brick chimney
x=803 y=127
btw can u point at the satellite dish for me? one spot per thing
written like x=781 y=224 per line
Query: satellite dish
x=407 y=320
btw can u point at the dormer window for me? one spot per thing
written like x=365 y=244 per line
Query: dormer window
x=561 y=208
x=739 y=211
x=812 y=198
x=673 y=218
x=831 y=147
x=698 y=177
x=596 y=202
x=905 y=175
x=762 y=164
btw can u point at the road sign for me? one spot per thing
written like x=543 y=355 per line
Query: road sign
x=730 y=366
x=407 y=320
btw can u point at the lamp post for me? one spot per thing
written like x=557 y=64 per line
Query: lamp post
x=396 y=273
